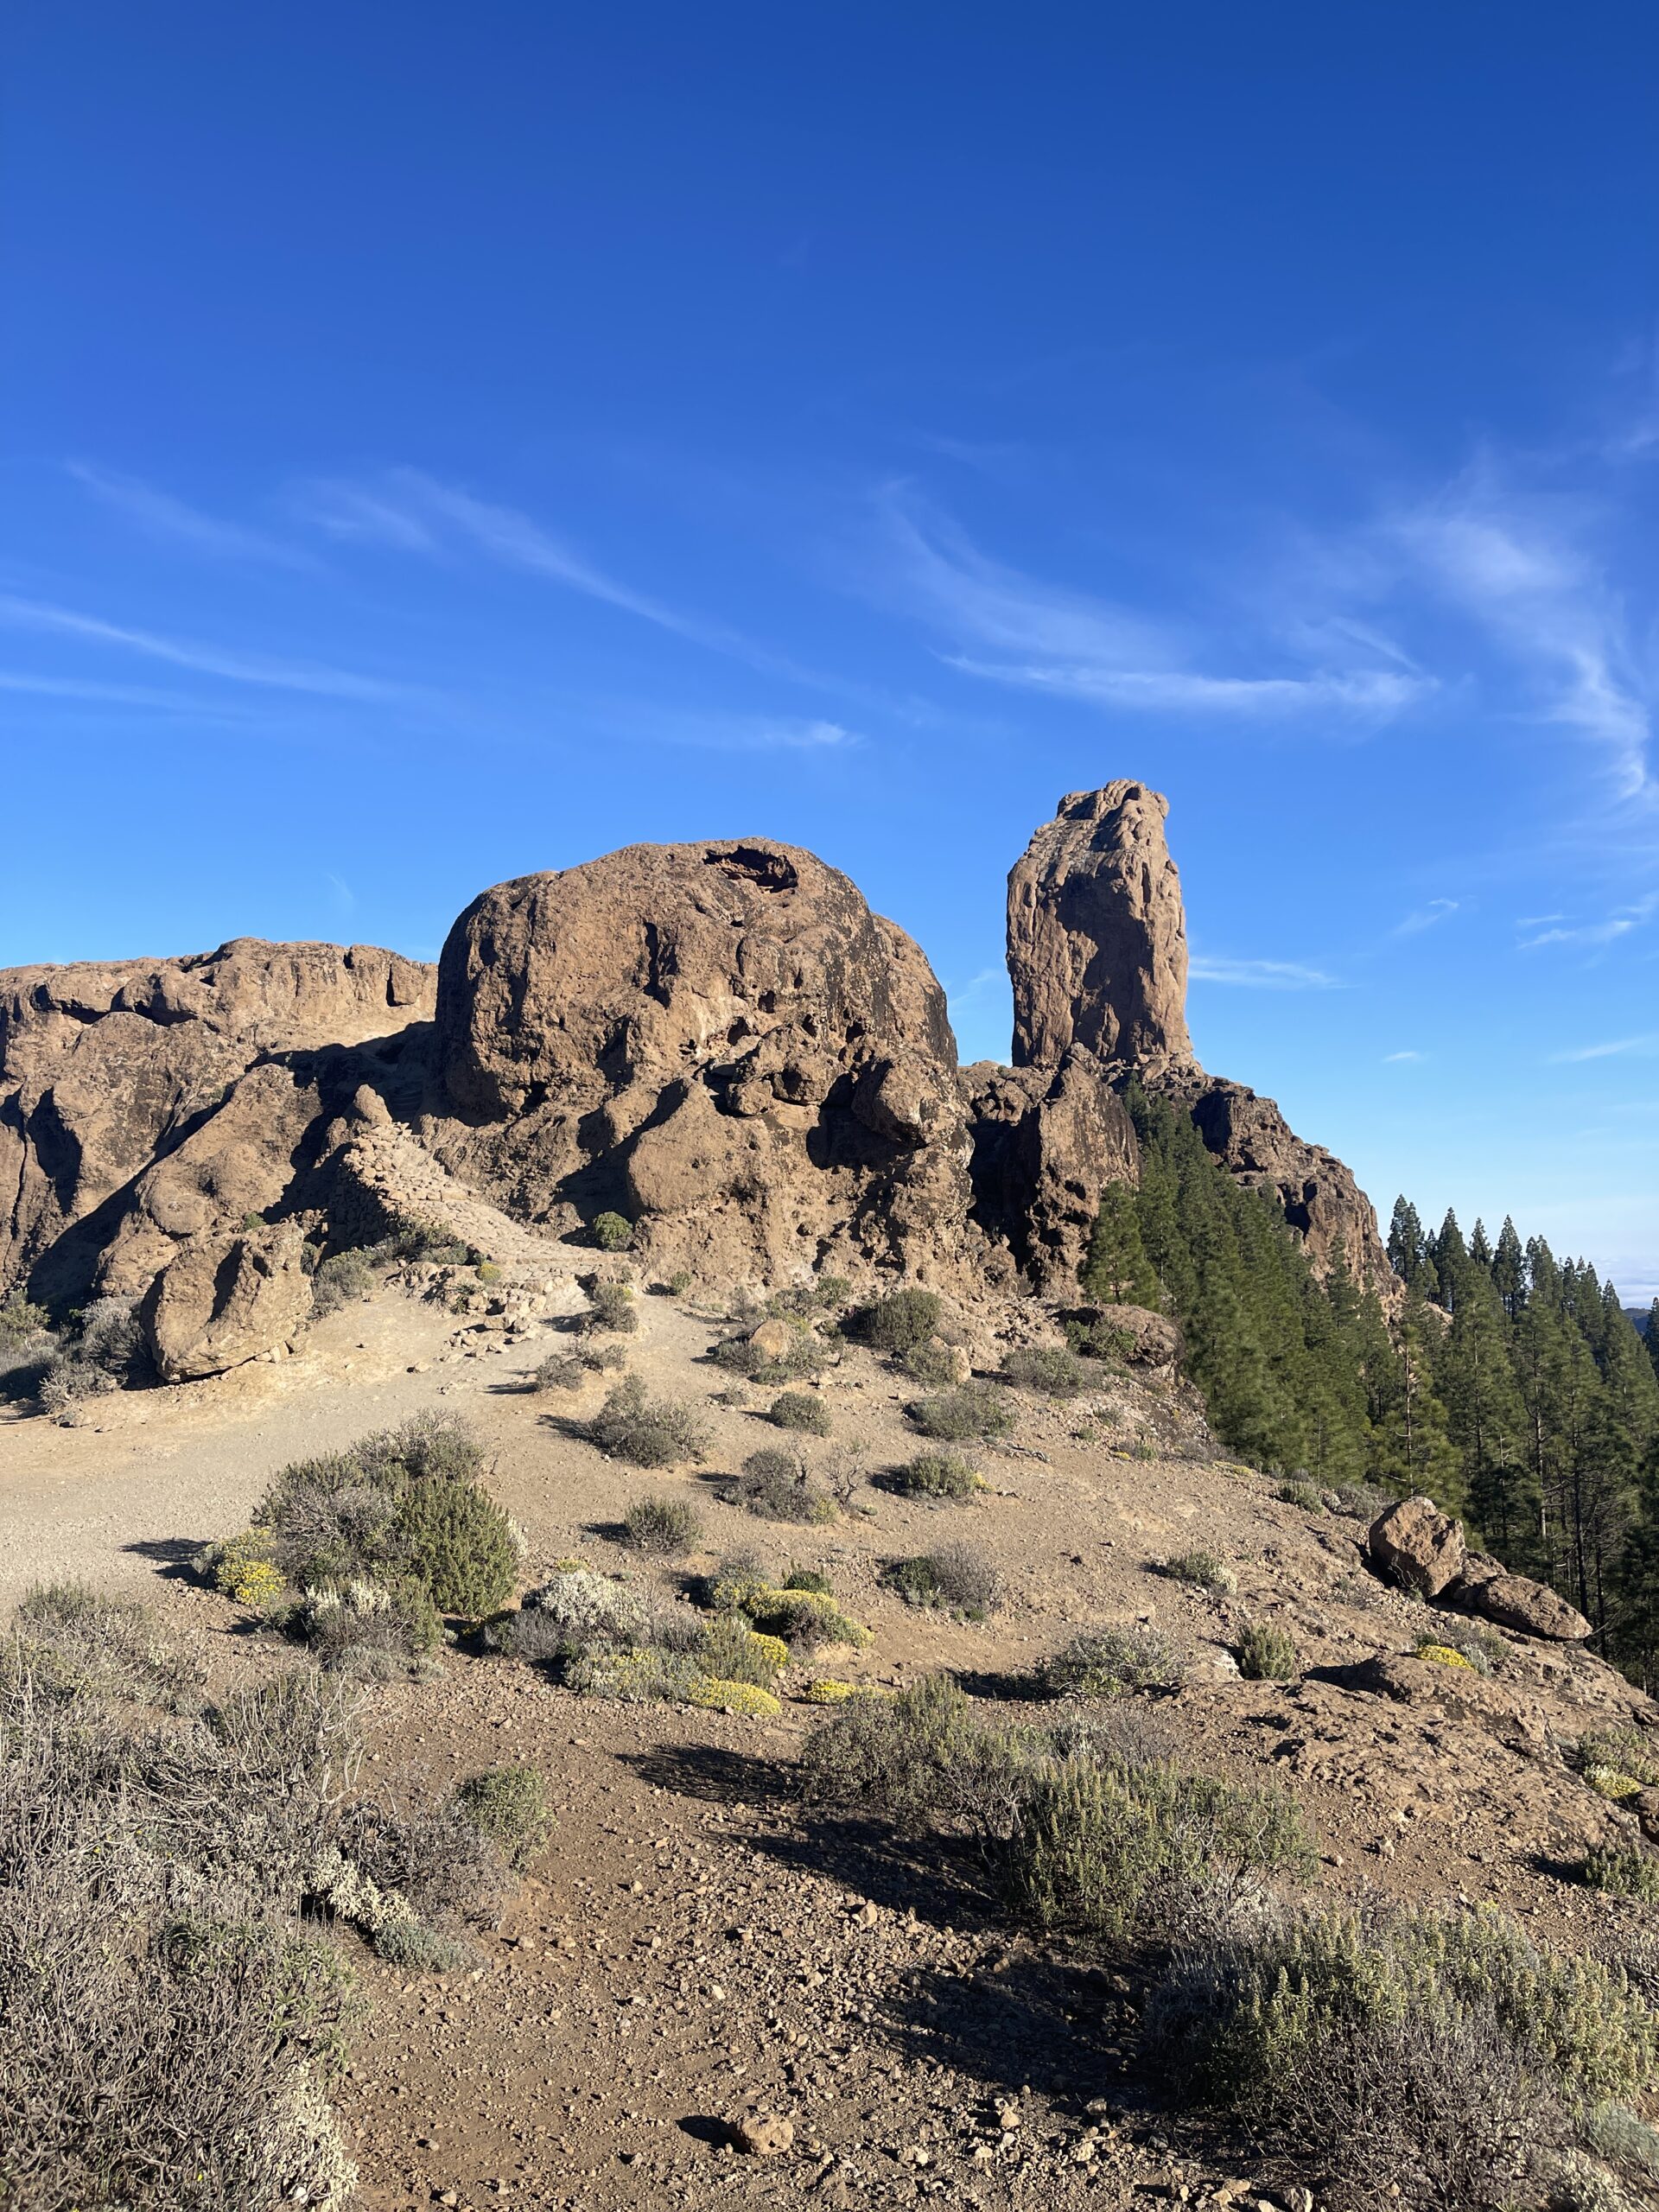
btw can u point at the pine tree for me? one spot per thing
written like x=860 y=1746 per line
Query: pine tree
x=1117 y=1271
x=1450 y=1259
x=1484 y=1420
x=1508 y=1269
x=1651 y=1334
x=1415 y=1448
x=1480 y=1250
x=1408 y=1246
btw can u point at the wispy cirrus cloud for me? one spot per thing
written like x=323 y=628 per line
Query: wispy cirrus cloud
x=201 y=658
x=1015 y=629
x=1260 y=974
x=1520 y=570
x=1636 y=1047
x=410 y=510
x=1621 y=923
x=1426 y=918
x=1395 y=1060
x=162 y=516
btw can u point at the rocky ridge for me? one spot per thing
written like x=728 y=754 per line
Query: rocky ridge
x=720 y=1040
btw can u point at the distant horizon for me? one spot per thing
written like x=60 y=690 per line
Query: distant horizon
x=438 y=451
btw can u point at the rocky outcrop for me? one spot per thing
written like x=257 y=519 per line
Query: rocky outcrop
x=1416 y=1545
x=1097 y=935
x=1097 y=956
x=144 y=1103
x=1515 y=1601
x=1046 y=1142
x=223 y=1300
x=720 y=1041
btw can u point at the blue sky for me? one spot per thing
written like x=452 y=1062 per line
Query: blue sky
x=441 y=443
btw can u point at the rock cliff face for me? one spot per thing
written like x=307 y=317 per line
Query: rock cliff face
x=146 y=1104
x=1097 y=956
x=719 y=1041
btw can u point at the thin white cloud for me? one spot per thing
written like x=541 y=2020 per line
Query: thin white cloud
x=726 y=732
x=202 y=659
x=1519 y=573
x=1261 y=975
x=162 y=516
x=1426 y=918
x=103 y=694
x=1048 y=637
x=1393 y=1059
x=415 y=512
x=1620 y=923
x=1639 y=1046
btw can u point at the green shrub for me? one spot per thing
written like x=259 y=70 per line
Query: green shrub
x=1094 y=1337
x=974 y=1410
x=21 y=1320
x=956 y=1579
x=900 y=1321
x=930 y=1364
x=1122 y=1854
x=510 y=1805
x=1623 y=1751
x=804 y=1362
x=775 y=1485
x=1203 y=1570
x=731 y=1651
x=340 y=1282
x=1622 y=1870
x=574 y=1613
x=610 y=1306
x=1049 y=1368
x=1266 y=1654
x=678 y=1283
x=807 y=1620
x=416 y=1948
x=560 y=1370
x=1112 y=1662
x=458 y=1542
x=1617 y=2135
x=799 y=1409
x=613 y=1232
x=243 y=1567
x=1300 y=1494
x=668 y=1525
x=647 y=1431
x=812 y=1579
x=918 y=1757
x=945 y=1475
x=367 y=1629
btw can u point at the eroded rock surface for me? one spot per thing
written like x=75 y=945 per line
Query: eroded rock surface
x=1417 y=1546
x=720 y=1040
x=223 y=1300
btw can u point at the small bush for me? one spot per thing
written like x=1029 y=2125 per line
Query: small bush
x=930 y=1364
x=1300 y=1494
x=610 y=1306
x=1470 y=1643
x=734 y=1652
x=647 y=1431
x=957 y=1578
x=352 y=1625
x=974 y=1410
x=1049 y=1368
x=1113 y=1662
x=410 y=1944
x=826 y=1689
x=804 y=1362
x=633 y=1677
x=340 y=1282
x=577 y=1612
x=83 y=1643
x=560 y=1370
x=678 y=1283
x=666 y=1526
x=243 y=1567
x=749 y=1699
x=775 y=1485
x=613 y=1232
x=1617 y=2135
x=945 y=1475
x=21 y=1320
x=1361 y=1501
x=1625 y=1750
x=459 y=1544
x=1204 y=1570
x=810 y=1579
x=510 y=1806
x=807 y=1620
x=797 y=1409
x=1120 y=1854
x=1621 y=1872
x=1441 y=1654
x=914 y=1759
x=900 y=1321
x=1266 y=1654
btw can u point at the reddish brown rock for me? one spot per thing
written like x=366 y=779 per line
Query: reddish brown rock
x=223 y=1300
x=1515 y=1602
x=1046 y=1142
x=719 y=1041
x=1415 y=1544
x=1097 y=935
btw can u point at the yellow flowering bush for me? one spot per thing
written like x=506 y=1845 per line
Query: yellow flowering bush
x=243 y=1567
x=715 y=1695
x=1444 y=1655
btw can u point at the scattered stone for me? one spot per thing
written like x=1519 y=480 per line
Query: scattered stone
x=1415 y=1544
x=763 y=2134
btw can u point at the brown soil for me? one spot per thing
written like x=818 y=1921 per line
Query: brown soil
x=689 y=1948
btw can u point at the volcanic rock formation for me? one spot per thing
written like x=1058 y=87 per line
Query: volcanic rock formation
x=719 y=1041
x=1097 y=956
